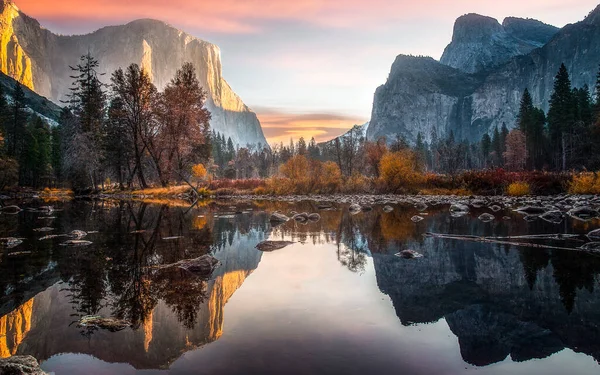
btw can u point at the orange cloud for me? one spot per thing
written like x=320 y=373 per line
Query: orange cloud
x=280 y=126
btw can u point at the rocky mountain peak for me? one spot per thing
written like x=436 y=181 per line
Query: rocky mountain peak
x=594 y=16
x=474 y=27
x=481 y=43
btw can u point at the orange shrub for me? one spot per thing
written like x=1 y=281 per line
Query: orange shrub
x=585 y=183
x=518 y=189
x=398 y=171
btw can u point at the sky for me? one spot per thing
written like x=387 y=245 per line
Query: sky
x=306 y=67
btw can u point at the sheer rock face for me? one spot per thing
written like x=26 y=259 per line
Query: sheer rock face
x=423 y=95
x=480 y=43
x=40 y=60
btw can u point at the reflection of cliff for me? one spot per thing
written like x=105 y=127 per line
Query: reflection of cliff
x=161 y=338
x=13 y=329
x=487 y=298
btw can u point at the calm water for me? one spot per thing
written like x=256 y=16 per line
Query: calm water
x=336 y=301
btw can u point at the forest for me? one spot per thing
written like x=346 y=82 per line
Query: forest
x=128 y=135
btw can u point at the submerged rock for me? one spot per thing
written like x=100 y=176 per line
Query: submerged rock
x=76 y=243
x=109 y=324
x=409 y=254
x=272 y=245
x=495 y=208
x=388 y=209
x=43 y=229
x=591 y=246
x=300 y=217
x=532 y=210
x=416 y=219
x=11 y=209
x=555 y=217
x=314 y=217
x=10 y=242
x=459 y=207
x=583 y=213
x=78 y=234
x=20 y=365
x=277 y=217
x=594 y=235
x=486 y=218
x=354 y=208
x=202 y=266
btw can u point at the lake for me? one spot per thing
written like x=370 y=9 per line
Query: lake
x=337 y=300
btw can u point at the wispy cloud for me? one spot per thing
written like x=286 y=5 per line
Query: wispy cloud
x=281 y=126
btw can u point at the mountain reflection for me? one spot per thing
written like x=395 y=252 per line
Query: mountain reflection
x=498 y=300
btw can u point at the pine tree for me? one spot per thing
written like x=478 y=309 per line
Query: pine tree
x=56 y=153
x=313 y=149
x=302 y=150
x=561 y=117
x=17 y=121
x=496 y=148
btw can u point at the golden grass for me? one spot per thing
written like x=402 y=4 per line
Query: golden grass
x=162 y=192
x=518 y=189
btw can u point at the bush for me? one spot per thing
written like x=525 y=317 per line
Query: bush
x=585 y=183
x=518 y=189
x=357 y=183
x=398 y=171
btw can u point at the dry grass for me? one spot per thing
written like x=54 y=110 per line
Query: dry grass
x=518 y=189
x=163 y=192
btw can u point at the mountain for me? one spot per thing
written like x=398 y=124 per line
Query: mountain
x=481 y=43
x=40 y=60
x=35 y=103
x=423 y=95
x=356 y=130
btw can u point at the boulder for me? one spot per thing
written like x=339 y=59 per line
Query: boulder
x=388 y=209
x=532 y=210
x=594 y=235
x=76 y=243
x=20 y=365
x=272 y=245
x=314 y=217
x=11 y=209
x=486 y=218
x=416 y=219
x=109 y=324
x=583 y=213
x=554 y=217
x=277 y=217
x=409 y=254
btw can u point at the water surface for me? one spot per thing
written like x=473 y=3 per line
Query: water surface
x=336 y=301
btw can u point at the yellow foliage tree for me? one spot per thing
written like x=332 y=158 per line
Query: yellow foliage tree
x=398 y=171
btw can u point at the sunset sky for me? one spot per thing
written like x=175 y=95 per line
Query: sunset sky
x=307 y=67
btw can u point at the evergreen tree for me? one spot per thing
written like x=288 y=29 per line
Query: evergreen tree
x=17 y=121
x=313 y=149
x=56 y=155
x=421 y=150
x=302 y=150
x=561 y=118
x=496 y=148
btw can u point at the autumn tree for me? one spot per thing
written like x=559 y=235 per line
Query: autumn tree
x=374 y=151
x=134 y=88
x=398 y=171
x=515 y=156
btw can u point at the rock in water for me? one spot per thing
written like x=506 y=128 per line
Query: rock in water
x=314 y=217
x=583 y=213
x=272 y=245
x=202 y=266
x=388 y=209
x=109 y=324
x=554 y=217
x=20 y=365
x=532 y=210
x=594 y=235
x=409 y=254
x=76 y=243
x=591 y=246
x=458 y=207
x=78 y=234
x=416 y=219
x=279 y=218
x=354 y=209
x=486 y=218
x=10 y=209
x=301 y=217
x=10 y=242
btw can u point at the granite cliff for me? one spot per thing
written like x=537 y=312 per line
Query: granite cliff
x=469 y=98
x=40 y=60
